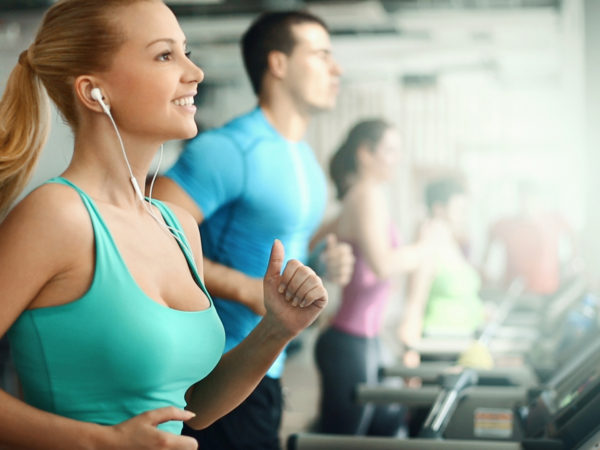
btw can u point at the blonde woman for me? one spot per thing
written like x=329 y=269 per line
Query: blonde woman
x=101 y=290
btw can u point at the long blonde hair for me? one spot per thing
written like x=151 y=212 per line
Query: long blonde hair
x=75 y=37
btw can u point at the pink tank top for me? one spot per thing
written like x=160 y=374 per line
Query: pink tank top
x=364 y=298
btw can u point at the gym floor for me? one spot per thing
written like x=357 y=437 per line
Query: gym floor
x=300 y=388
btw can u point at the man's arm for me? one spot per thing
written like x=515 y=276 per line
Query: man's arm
x=221 y=281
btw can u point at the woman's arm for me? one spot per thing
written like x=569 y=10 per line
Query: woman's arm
x=293 y=300
x=419 y=284
x=25 y=427
x=432 y=237
x=368 y=211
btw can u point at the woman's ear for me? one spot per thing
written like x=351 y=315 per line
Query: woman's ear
x=83 y=91
x=438 y=210
x=364 y=155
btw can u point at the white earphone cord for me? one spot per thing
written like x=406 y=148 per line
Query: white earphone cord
x=178 y=235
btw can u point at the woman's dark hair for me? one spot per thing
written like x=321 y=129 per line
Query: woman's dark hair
x=343 y=163
x=440 y=191
x=271 y=31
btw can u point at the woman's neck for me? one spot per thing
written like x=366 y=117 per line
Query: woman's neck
x=100 y=168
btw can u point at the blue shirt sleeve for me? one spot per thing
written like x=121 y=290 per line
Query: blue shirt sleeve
x=211 y=170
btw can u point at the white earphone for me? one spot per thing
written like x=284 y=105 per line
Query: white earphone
x=96 y=94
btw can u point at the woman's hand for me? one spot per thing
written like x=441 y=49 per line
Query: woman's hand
x=141 y=432
x=294 y=298
x=411 y=358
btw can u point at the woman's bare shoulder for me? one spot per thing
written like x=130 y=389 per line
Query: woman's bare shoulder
x=183 y=215
x=43 y=237
x=49 y=212
x=364 y=198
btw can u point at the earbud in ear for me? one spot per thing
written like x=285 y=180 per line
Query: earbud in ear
x=96 y=94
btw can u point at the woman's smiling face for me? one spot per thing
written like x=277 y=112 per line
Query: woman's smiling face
x=151 y=82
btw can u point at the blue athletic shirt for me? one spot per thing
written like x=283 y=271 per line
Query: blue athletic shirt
x=252 y=186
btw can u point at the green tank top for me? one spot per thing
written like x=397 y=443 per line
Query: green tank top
x=454 y=306
x=114 y=353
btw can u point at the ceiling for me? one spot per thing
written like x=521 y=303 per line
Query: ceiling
x=394 y=36
x=249 y=6
x=221 y=7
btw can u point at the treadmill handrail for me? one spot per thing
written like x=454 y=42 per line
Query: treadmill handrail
x=426 y=395
x=314 y=441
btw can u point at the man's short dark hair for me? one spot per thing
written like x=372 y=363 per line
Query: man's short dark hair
x=271 y=31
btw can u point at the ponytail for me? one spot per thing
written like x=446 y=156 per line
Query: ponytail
x=75 y=37
x=342 y=165
x=24 y=125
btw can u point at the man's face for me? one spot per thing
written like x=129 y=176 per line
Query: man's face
x=313 y=76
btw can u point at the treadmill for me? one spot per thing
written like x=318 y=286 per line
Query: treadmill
x=520 y=320
x=535 y=347
x=561 y=414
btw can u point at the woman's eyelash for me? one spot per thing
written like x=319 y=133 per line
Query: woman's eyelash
x=167 y=55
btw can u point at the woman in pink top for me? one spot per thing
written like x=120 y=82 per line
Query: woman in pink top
x=347 y=352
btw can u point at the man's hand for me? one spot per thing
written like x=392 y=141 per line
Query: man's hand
x=339 y=261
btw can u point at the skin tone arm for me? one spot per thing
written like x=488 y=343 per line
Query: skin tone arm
x=240 y=370
x=221 y=281
x=366 y=210
x=225 y=282
x=411 y=327
x=418 y=287
x=293 y=300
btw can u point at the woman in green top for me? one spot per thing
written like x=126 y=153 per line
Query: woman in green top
x=101 y=289
x=443 y=298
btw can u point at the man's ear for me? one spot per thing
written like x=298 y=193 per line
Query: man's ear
x=277 y=64
x=83 y=92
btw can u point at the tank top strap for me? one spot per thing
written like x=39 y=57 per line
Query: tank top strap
x=105 y=241
x=108 y=256
x=172 y=221
x=87 y=201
